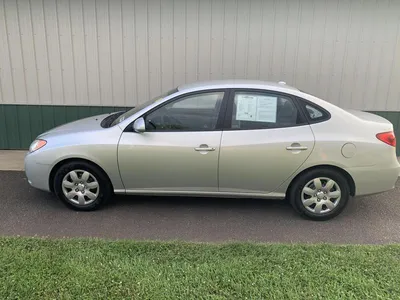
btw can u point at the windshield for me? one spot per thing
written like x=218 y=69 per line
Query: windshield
x=134 y=110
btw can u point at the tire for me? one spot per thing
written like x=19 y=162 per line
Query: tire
x=82 y=185
x=311 y=202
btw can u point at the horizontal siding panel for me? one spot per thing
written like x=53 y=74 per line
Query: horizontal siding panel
x=142 y=50
x=122 y=52
x=216 y=51
x=6 y=78
x=79 y=52
x=53 y=53
x=16 y=60
x=28 y=51
x=117 y=52
x=91 y=52
x=104 y=50
x=41 y=54
x=63 y=15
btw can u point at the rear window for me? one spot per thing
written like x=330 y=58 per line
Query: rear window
x=313 y=112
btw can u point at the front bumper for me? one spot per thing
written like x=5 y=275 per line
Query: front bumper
x=37 y=174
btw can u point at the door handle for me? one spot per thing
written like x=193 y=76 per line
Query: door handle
x=298 y=148
x=204 y=148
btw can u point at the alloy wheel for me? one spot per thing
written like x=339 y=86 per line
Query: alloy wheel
x=321 y=195
x=80 y=187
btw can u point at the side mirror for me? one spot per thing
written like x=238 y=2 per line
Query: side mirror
x=139 y=125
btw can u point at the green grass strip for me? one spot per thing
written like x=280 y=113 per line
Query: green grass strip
x=33 y=268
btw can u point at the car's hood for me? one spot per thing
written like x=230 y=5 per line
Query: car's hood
x=82 y=125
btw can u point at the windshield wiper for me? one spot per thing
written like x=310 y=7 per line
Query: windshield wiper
x=107 y=121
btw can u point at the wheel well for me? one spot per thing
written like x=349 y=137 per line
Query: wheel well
x=348 y=177
x=63 y=162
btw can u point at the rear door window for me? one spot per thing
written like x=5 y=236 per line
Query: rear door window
x=263 y=110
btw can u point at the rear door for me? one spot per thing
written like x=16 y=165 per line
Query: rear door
x=265 y=140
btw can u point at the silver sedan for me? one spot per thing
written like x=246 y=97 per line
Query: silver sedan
x=249 y=139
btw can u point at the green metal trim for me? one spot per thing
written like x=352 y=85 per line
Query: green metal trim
x=21 y=124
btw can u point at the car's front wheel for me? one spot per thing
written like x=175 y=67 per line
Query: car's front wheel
x=320 y=194
x=82 y=186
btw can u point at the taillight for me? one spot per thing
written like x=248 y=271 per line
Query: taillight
x=387 y=137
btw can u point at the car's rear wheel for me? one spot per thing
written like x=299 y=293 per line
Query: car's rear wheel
x=320 y=194
x=82 y=186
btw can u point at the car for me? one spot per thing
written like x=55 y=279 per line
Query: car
x=229 y=138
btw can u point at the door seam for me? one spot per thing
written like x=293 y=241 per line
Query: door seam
x=119 y=171
x=219 y=154
x=296 y=171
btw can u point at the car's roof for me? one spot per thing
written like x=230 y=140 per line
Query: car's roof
x=235 y=83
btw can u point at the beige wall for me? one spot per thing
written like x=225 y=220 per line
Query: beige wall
x=122 y=52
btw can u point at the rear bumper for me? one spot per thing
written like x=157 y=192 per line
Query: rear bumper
x=374 y=179
x=37 y=174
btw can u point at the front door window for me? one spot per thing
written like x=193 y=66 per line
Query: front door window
x=197 y=112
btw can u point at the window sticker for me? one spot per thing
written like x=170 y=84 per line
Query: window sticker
x=246 y=108
x=256 y=108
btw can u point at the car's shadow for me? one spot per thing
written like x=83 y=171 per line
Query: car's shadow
x=28 y=211
x=210 y=219
x=196 y=202
x=273 y=209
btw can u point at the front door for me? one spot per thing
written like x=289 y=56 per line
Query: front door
x=179 y=150
x=266 y=140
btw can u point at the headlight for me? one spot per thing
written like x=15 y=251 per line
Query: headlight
x=36 y=145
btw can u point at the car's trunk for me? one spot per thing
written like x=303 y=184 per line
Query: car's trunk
x=380 y=122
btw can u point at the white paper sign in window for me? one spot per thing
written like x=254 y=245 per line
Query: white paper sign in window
x=256 y=108
x=246 y=108
x=266 y=109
